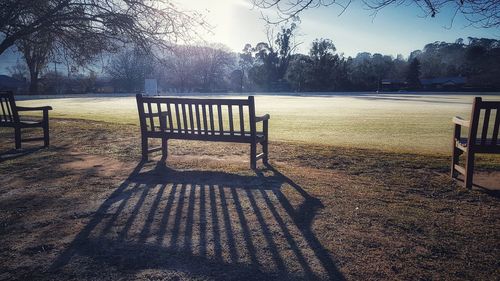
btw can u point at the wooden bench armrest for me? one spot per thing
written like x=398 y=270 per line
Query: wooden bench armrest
x=262 y=118
x=23 y=108
x=459 y=121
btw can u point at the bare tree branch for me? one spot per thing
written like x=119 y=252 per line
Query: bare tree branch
x=480 y=13
x=143 y=22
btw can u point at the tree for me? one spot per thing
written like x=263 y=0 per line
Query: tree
x=18 y=71
x=272 y=58
x=481 y=13
x=36 y=50
x=246 y=62
x=413 y=76
x=143 y=22
x=129 y=68
x=324 y=65
x=201 y=68
x=213 y=63
x=298 y=73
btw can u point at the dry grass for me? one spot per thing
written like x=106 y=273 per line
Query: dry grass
x=87 y=209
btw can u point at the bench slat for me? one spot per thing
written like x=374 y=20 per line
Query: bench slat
x=198 y=121
x=169 y=116
x=231 y=125
x=4 y=115
x=495 y=126
x=177 y=116
x=196 y=101
x=6 y=111
x=211 y=114
x=242 y=121
x=486 y=123
x=163 y=126
x=184 y=118
x=191 y=121
x=151 y=121
x=490 y=104
x=219 y=112
x=204 y=112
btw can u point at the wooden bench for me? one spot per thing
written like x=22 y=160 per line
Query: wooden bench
x=9 y=117
x=223 y=120
x=481 y=137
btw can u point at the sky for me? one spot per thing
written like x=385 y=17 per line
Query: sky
x=395 y=30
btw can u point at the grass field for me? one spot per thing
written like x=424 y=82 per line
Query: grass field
x=358 y=188
x=403 y=123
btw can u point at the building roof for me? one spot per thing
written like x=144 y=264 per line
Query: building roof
x=444 y=81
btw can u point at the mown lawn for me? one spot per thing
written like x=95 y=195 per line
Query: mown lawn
x=402 y=123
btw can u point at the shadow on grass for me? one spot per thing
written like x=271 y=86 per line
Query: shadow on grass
x=493 y=191
x=205 y=224
x=16 y=153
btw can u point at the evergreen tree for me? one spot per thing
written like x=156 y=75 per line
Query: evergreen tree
x=413 y=74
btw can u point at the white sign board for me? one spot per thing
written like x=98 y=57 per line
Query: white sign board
x=150 y=87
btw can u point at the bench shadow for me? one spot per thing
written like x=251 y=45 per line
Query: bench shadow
x=205 y=223
x=489 y=190
x=16 y=153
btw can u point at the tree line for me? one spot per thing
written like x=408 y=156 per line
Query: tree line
x=130 y=40
x=272 y=66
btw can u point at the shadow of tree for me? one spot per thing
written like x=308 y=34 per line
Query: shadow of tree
x=215 y=224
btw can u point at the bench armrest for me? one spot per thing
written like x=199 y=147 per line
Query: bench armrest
x=22 y=108
x=459 y=121
x=262 y=118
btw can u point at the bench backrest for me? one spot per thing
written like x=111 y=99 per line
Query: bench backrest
x=8 y=112
x=484 y=123
x=201 y=117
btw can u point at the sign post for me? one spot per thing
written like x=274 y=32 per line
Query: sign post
x=150 y=87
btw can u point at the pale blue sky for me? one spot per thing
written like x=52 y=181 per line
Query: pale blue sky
x=395 y=30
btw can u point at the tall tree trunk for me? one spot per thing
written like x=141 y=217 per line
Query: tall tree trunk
x=35 y=50
x=33 y=88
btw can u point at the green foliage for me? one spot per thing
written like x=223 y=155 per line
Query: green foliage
x=414 y=74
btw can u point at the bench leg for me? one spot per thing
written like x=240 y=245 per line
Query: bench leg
x=455 y=151
x=469 y=169
x=144 y=144
x=17 y=137
x=265 y=150
x=46 y=139
x=454 y=161
x=253 y=155
x=164 y=149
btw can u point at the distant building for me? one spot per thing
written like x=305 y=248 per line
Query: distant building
x=104 y=86
x=429 y=84
x=8 y=83
x=392 y=84
x=443 y=83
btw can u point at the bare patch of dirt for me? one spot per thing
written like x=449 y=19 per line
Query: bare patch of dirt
x=97 y=165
